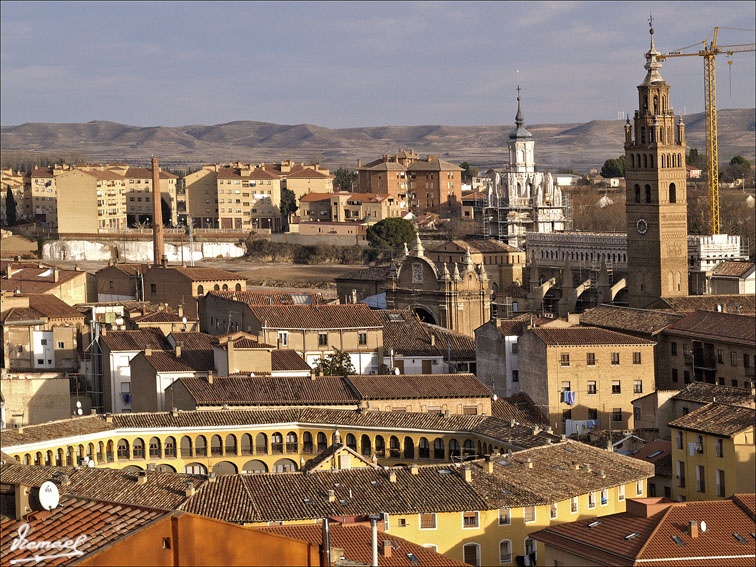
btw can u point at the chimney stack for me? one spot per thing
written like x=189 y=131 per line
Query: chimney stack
x=178 y=349
x=489 y=466
x=142 y=477
x=467 y=471
x=414 y=469
x=386 y=548
x=56 y=275
x=157 y=216
x=209 y=376
x=392 y=476
x=188 y=489
x=148 y=352
x=529 y=463
x=693 y=528
x=332 y=496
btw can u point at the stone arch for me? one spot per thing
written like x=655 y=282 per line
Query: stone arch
x=123 y=449
x=409 y=448
x=454 y=448
x=261 y=444
x=651 y=161
x=672 y=193
x=423 y=448
x=394 y=447
x=169 y=447
x=186 y=446
x=648 y=193
x=200 y=290
x=307 y=442
x=292 y=445
x=216 y=446
x=645 y=161
x=637 y=193
x=225 y=287
x=237 y=287
x=425 y=314
x=138 y=448
x=216 y=287
x=195 y=468
x=438 y=448
x=155 y=448
x=222 y=468
x=165 y=468
x=468 y=448
x=230 y=445
x=380 y=446
x=284 y=465
x=322 y=442
x=276 y=443
x=200 y=446
x=365 y=446
x=246 y=444
x=49 y=459
x=132 y=468
x=254 y=466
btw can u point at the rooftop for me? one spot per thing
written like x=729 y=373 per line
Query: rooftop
x=135 y=340
x=282 y=360
x=194 y=340
x=408 y=336
x=645 y=321
x=743 y=304
x=417 y=386
x=33 y=279
x=271 y=297
x=202 y=274
x=717 y=419
x=189 y=361
x=519 y=408
x=585 y=336
x=720 y=327
x=704 y=393
x=315 y=316
x=658 y=453
x=48 y=306
x=729 y=268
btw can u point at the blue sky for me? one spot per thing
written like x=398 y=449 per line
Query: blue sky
x=341 y=64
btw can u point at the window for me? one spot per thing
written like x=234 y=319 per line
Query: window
x=428 y=521
x=637 y=386
x=514 y=348
x=686 y=377
x=553 y=510
x=679 y=439
x=565 y=359
x=720 y=448
x=567 y=414
x=591 y=500
x=636 y=358
x=470 y=520
x=566 y=387
x=505 y=516
x=505 y=552
x=471 y=553
x=680 y=474
x=673 y=348
x=591 y=359
x=61 y=344
x=639 y=488
x=322 y=339
x=720 y=356
x=720 y=483
x=699 y=444
x=733 y=358
x=153 y=288
x=591 y=387
x=636 y=413
x=574 y=505
x=616 y=387
x=515 y=375
x=617 y=414
x=530 y=549
x=700 y=478
x=283 y=338
x=746 y=361
x=592 y=413
x=401 y=522
x=604 y=497
x=362 y=335
x=621 y=492
x=674 y=375
x=529 y=514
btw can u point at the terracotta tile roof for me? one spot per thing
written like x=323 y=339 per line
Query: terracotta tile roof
x=408 y=336
x=128 y=269
x=135 y=340
x=287 y=360
x=722 y=327
x=333 y=450
x=577 y=336
x=518 y=325
x=629 y=319
x=514 y=290
x=733 y=269
x=297 y=496
x=356 y=542
x=432 y=165
x=418 y=386
x=349 y=316
x=485 y=245
x=743 y=304
x=146 y=173
x=747 y=501
x=270 y=390
x=314 y=197
x=162 y=490
x=380 y=165
x=161 y=316
x=376 y=273
x=43 y=306
x=189 y=361
x=20 y=314
x=201 y=274
x=704 y=393
x=42 y=172
x=519 y=408
x=607 y=542
x=50 y=430
x=307 y=173
x=237 y=173
x=662 y=459
x=194 y=340
x=104 y=175
x=37 y=280
x=102 y=523
x=717 y=419
x=271 y=297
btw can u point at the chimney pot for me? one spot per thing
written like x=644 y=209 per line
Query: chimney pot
x=414 y=469
x=392 y=476
x=174 y=412
x=142 y=477
x=386 y=548
x=211 y=477
x=332 y=496
x=188 y=489
x=148 y=352
x=209 y=376
x=529 y=463
x=693 y=528
x=467 y=472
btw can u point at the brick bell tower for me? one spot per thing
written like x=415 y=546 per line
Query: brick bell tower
x=656 y=206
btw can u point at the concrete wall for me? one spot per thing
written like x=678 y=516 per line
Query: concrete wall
x=310 y=239
x=36 y=400
x=137 y=250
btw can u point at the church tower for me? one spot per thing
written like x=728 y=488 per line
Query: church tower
x=656 y=207
x=521 y=144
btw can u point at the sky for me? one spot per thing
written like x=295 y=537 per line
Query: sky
x=343 y=64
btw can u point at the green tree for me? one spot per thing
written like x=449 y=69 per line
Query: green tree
x=468 y=172
x=694 y=158
x=738 y=168
x=391 y=234
x=10 y=208
x=345 y=179
x=288 y=203
x=337 y=364
x=613 y=168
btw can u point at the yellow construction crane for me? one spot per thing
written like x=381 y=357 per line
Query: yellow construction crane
x=709 y=51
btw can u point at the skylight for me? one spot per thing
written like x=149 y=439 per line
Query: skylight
x=740 y=538
x=45 y=274
x=594 y=524
x=568 y=449
x=677 y=540
x=445 y=471
x=343 y=502
x=559 y=468
x=631 y=536
x=374 y=482
x=654 y=454
x=306 y=500
x=395 y=317
x=414 y=560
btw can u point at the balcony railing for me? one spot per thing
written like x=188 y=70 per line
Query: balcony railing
x=307 y=448
x=277 y=448
x=291 y=447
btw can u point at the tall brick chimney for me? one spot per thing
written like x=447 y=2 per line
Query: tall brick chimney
x=157 y=215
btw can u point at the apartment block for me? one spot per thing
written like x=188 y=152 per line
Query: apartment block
x=586 y=377
x=301 y=178
x=18 y=182
x=90 y=202
x=138 y=182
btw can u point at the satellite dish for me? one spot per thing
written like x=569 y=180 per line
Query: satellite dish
x=90 y=464
x=49 y=496
x=78 y=404
x=79 y=411
x=397 y=371
x=703 y=526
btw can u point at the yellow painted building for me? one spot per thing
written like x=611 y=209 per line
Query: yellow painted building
x=713 y=452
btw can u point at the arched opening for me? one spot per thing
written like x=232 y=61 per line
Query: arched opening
x=425 y=315
x=123 y=449
x=230 y=447
x=291 y=442
x=637 y=193
x=261 y=444
x=246 y=444
x=672 y=193
x=225 y=287
x=165 y=468
x=216 y=287
x=222 y=468
x=284 y=465
x=38 y=458
x=170 y=448
x=505 y=551
x=454 y=448
x=138 y=448
x=351 y=442
x=237 y=287
x=132 y=468
x=648 y=193
x=651 y=160
x=380 y=446
x=409 y=448
x=394 y=447
x=200 y=290
x=438 y=448
x=276 y=443
x=254 y=466
x=469 y=448
x=200 y=446
x=423 y=448
x=322 y=442
x=365 y=446
x=645 y=161
x=471 y=554
x=186 y=446
x=307 y=442
x=49 y=459
x=155 y=448
x=195 y=468
x=110 y=455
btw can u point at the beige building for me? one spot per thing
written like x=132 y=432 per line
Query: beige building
x=91 y=201
x=34 y=396
x=120 y=282
x=18 y=182
x=301 y=178
x=43 y=193
x=71 y=286
x=586 y=377
x=138 y=182
x=181 y=285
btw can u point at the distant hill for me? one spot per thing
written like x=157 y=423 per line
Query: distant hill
x=577 y=145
